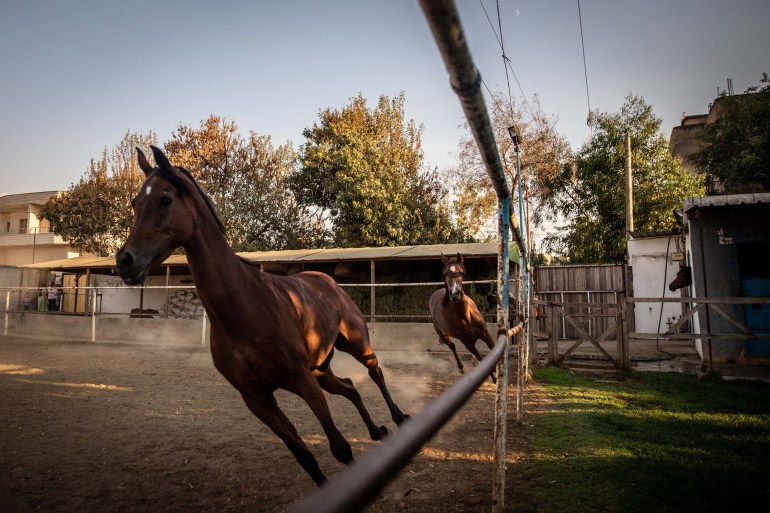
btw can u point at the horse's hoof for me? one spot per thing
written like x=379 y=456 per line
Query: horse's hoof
x=381 y=434
x=462 y=371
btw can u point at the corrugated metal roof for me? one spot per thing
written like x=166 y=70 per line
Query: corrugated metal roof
x=725 y=200
x=480 y=249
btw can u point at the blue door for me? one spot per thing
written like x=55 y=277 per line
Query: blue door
x=756 y=316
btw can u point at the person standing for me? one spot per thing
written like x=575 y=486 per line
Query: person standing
x=52 y=294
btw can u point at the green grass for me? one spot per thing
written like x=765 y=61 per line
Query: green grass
x=649 y=442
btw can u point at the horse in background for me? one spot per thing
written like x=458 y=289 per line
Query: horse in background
x=454 y=314
x=268 y=332
x=683 y=278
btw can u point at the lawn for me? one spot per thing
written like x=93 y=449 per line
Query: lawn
x=647 y=441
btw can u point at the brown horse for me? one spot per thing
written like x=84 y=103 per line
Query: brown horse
x=455 y=315
x=267 y=331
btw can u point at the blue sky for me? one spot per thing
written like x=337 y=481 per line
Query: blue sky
x=76 y=75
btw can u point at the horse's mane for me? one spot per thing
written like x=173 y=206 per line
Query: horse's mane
x=166 y=175
x=208 y=202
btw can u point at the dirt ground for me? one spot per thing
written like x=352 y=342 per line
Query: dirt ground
x=96 y=427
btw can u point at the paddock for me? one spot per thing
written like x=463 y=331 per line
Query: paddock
x=110 y=426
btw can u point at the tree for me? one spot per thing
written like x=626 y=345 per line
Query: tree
x=363 y=169
x=736 y=147
x=94 y=215
x=246 y=180
x=542 y=153
x=591 y=193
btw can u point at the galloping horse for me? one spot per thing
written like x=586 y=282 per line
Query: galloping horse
x=267 y=331
x=454 y=314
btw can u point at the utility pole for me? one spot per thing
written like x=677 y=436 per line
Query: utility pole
x=629 y=192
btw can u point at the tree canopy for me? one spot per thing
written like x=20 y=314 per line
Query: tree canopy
x=244 y=177
x=591 y=193
x=543 y=152
x=246 y=180
x=736 y=147
x=363 y=169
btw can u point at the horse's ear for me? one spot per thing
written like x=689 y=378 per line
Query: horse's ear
x=161 y=159
x=444 y=259
x=143 y=162
x=459 y=258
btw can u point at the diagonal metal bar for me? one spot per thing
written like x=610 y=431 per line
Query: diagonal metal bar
x=351 y=489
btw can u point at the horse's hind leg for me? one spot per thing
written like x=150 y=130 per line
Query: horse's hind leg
x=308 y=388
x=345 y=388
x=375 y=372
x=266 y=409
x=360 y=349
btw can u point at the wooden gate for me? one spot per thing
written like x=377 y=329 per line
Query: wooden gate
x=579 y=317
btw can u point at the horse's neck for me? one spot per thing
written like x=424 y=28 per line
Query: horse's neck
x=217 y=271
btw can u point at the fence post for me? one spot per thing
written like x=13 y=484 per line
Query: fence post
x=7 y=307
x=203 y=328
x=625 y=356
x=553 y=339
x=93 y=315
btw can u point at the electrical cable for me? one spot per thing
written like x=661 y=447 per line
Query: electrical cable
x=583 y=45
x=660 y=317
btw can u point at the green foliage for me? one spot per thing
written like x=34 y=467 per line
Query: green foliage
x=363 y=168
x=650 y=442
x=246 y=180
x=94 y=215
x=591 y=194
x=736 y=148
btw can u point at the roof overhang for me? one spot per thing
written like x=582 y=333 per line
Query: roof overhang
x=469 y=250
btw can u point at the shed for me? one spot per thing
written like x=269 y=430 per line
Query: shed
x=728 y=245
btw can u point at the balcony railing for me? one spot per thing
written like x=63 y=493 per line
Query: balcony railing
x=29 y=231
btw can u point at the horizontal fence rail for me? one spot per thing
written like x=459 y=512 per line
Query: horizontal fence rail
x=352 y=488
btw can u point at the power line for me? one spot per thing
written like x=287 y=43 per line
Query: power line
x=583 y=45
x=506 y=61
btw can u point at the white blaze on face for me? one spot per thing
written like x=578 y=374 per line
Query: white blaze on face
x=453 y=288
x=148 y=190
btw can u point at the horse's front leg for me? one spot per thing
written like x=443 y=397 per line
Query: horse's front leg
x=446 y=340
x=265 y=407
x=471 y=346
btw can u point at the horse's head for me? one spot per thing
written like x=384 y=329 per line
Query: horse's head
x=454 y=269
x=683 y=278
x=163 y=217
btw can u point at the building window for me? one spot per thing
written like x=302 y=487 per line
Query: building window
x=23 y=225
x=8 y=227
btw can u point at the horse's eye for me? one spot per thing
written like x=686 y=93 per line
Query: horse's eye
x=165 y=200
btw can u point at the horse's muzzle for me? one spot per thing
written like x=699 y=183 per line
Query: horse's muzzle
x=454 y=296
x=130 y=270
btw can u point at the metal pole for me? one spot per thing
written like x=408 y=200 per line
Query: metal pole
x=203 y=328
x=501 y=395
x=629 y=191
x=372 y=298
x=352 y=488
x=7 y=307
x=93 y=315
x=524 y=298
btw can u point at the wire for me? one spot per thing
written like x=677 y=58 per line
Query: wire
x=506 y=61
x=660 y=317
x=583 y=45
